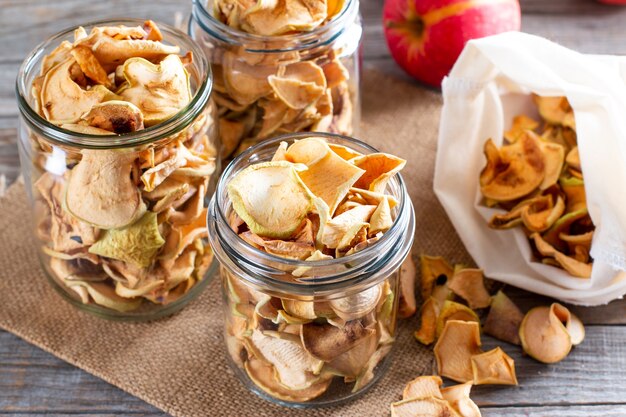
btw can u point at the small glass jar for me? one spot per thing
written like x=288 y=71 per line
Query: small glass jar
x=309 y=333
x=103 y=175
x=252 y=109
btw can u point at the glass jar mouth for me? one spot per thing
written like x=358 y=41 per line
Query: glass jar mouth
x=321 y=35
x=171 y=126
x=384 y=255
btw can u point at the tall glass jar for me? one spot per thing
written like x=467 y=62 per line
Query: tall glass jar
x=266 y=86
x=158 y=260
x=308 y=333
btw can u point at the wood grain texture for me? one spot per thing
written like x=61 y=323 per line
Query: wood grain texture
x=590 y=382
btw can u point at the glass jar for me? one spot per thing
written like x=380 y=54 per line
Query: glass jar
x=251 y=108
x=308 y=333
x=159 y=260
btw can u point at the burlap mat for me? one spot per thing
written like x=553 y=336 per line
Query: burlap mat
x=178 y=364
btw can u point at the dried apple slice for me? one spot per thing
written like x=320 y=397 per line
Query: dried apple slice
x=423 y=387
x=553 y=159
x=244 y=82
x=367 y=375
x=299 y=308
x=572 y=324
x=543 y=335
x=469 y=284
x=326 y=342
x=553 y=110
x=352 y=363
x=422 y=407
x=112 y=52
x=428 y=318
x=160 y=91
x=104 y=295
x=264 y=376
x=278 y=18
x=100 y=190
x=433 y=270
x=329 y=176
x=571 y=265
x=459 y=341
x=520 y=125
x=299 y=84
x=295 y=368
x=271 y=198
x=90 y=65
x=493 y=367
x=574 y=189
x=573 y=159
x=408 y=275
x=379 y=169
x=504 y=319
x=137 y=243
x=517 y=170
x=458 y=396
x=382 y=219
x=451 y=310
x=343 y=151
x=115 y=116
x=339 y=231
x=541 y=214
x=63 y=101
x=357 y=305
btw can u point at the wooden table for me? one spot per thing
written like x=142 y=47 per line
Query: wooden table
x=591 y=382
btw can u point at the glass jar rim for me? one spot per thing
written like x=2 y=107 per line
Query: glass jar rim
x=404 y=222
x=323 y=34
x=171 y=126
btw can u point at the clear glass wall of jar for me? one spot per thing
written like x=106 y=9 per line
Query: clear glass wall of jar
x=326 y=60
x=103 y=173
x=314 y=333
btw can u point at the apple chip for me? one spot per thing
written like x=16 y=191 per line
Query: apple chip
x=357 y=305
x=62 y=99
x=554 y=110
x=339 y=231
x=408 y=275
x=100 y=191
x=469 y=284
x=381 y=220
x=435 y=273
x=520 y=125
x=271 y=198
x=493 y=367
x=160 y=91
x=428 y=319
x=328 y=176
x=423 y=387
x=458 y=396
x=379 y=169
x=451 y=310
x=112 y=52
x=298 y=84
x=504 y=319
x=327 y=342
x=426 y=407
x=544 y=336
x=271 y=18
x=137 y=244
x=571 y=265
x=459 y=341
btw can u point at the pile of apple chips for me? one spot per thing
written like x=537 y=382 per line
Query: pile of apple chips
x=314 y=201
x=536 y=176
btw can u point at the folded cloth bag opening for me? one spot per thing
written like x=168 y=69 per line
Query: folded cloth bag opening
x=492 y=82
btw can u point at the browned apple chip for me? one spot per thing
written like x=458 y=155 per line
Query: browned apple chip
x=428 y=319
x=493 y=367
x=504 y=319
x=459 y=341
x=435 y=272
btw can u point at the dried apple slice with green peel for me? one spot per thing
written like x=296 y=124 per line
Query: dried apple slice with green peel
x=100 y=190
x=543 y=335
x=271 y=198
x=160 y=91
x=137 y=243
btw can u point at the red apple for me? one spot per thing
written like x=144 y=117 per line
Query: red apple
x=426 y=36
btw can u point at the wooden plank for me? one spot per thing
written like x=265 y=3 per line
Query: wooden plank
x=582 y=411
x=33 y=381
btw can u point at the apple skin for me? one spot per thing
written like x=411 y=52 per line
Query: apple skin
x=426 y=37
